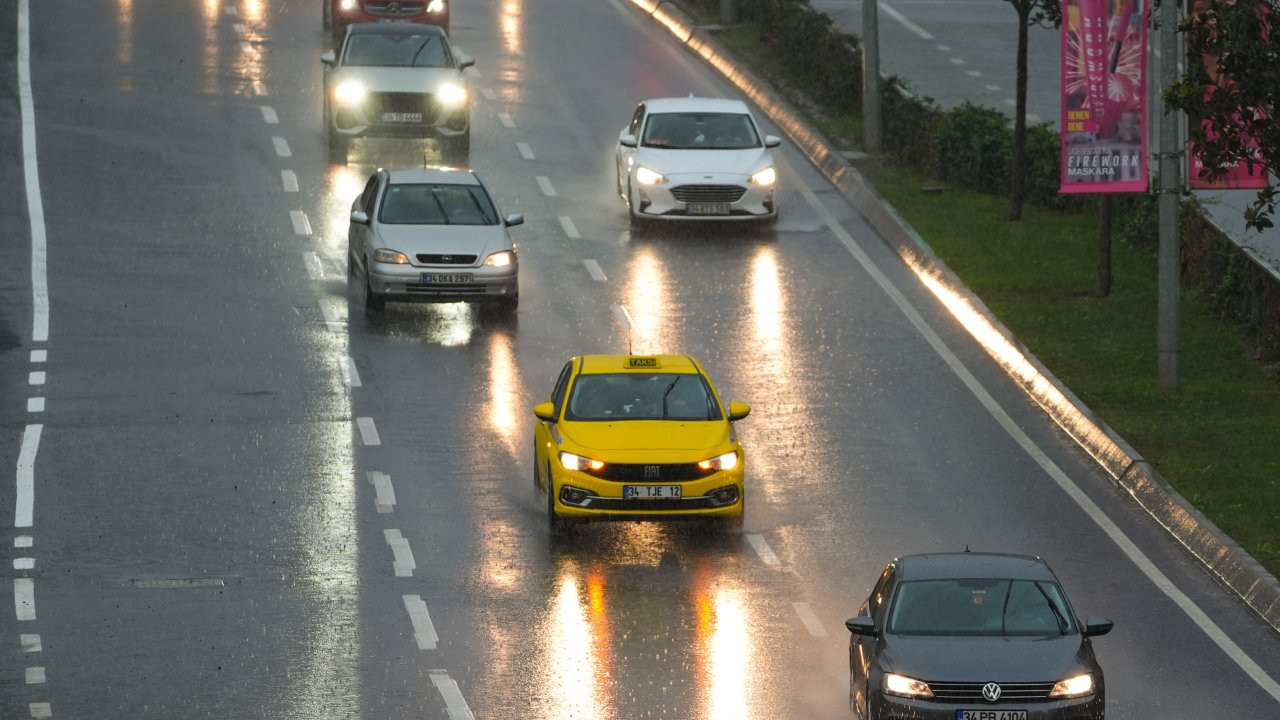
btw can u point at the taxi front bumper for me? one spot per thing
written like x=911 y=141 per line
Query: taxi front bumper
x=582 y=496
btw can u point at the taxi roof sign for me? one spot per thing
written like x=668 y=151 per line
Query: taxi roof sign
x=648 y=361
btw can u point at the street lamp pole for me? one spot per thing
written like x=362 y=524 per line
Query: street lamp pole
x=871 y=131
x=1168 y=260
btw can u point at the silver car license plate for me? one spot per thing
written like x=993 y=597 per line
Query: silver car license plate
x=401 y=117
x=991 y=715
x=707 y=208
x=651 y=491
x=446 y=278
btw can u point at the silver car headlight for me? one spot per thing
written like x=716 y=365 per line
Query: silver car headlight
x=350 y=93
x=1076 y=686
x=727 y=461
x=765 y=177
x=435 y=6
x=452 y=95
x=645 y=176
x=384 y=255
x=904 y=686
x=502 y=258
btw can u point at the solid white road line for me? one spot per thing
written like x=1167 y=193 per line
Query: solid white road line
x=36 y=378
x=423 y=631
x=453 y=700
x=924 y=34
x=312 y=262
x=35 y=676
x=35 y=404
x=24 y=563
x=505 y=119
x=384 y=493
x=31 y=177
x=282 y=146
x=1109 y=527
x=810 y=620
x=30 y=642
x=368 y=431
x=570 y=230
x=269 y=115
x=593 y=269
x=289 y=180
x=403 y=564
x=24 y=504
x=24 y=598
x=39 y=356
x=762 y=549
x=350 y=375
x=331 y=320
x=40 y=710
x=544 y=184
x=526 y=152
x=301 y=226
x=23 y=541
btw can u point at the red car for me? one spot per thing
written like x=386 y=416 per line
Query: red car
x=338 y=14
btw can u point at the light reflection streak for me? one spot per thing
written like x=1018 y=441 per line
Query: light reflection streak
x=504 y=384
x=577 y=657
x=724 y=648
x=124 y=42
x=511 y=23
x=646 y=302
x=772 y=369
x=454 y=326
x=253 y=11
x=345 y=185
x=211 y=15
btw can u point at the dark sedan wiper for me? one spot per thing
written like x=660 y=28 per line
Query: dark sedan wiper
x=1057 y=614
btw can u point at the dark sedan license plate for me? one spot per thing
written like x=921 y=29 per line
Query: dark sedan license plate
x=991 y=715
x=446 y=278
x=401 y=117
x=707 y=208
x=651 y=491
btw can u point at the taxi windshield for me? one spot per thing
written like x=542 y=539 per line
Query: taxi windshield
x=979 y=607
x=642 y=396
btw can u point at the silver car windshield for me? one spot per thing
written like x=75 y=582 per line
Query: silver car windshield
x=640 y=396
x=979 y=607
x=424 y=204
x=398 y=50
x=700 y=131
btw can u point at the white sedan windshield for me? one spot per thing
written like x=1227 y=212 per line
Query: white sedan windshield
x=700 y=131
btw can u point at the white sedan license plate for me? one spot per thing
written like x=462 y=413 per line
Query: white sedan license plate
x=707 y=208
x=651 y=491
x=991 y=715
x=445 y=278
x=401 y=117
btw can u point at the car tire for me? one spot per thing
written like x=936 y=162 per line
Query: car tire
x=555 y=524
x=373 y=302
x=632 y=217
x=509 y=303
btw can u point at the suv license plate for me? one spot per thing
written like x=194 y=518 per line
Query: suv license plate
x=707 y=208
x=445 y=278
x=401 y=117
x=991 y=715
x=650 y=491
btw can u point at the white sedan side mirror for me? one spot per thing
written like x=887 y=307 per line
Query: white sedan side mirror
x=772 y=141
x=626 y=139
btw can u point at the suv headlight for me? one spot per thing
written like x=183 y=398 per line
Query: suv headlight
x=452 y=94
x=727 y=461
x=435 y=6
x=1076 y=686
x=904 y=686
x=502 y=258
x=384 y=255
x=350 y=93
x=347 y=5
x=569 y=461
x=765 y=177
x=645 y=176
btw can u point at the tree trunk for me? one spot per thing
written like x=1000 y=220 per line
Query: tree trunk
x=1104 y=246
x=1017 y=185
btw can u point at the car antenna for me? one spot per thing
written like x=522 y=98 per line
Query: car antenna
x=966 y=548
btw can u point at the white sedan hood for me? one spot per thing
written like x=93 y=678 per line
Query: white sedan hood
x=677 y=163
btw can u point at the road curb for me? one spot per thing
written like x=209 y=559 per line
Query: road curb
x=1217 y=552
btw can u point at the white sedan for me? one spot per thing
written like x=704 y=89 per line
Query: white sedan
x=696 y=159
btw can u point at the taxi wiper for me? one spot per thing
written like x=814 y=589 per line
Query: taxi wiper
x=665 y=393
x=1057 y=614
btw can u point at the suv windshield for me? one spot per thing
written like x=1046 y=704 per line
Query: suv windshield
x=700 y=131
x=421 y=204
x=396 y=50
x=641 y=396
x=979 y=607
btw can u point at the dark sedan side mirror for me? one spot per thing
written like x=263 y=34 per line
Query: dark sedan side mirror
x=329 y=58
x=545 y=411
x=626 y=139
x=772 y=141
x=359 y=217
x=514 y=219
x=862 y=625
x=1095 y=626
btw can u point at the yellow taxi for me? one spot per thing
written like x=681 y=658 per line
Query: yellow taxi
x=638 y=437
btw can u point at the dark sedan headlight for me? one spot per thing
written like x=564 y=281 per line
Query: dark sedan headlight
x=502 y=258
x=350 y=93
x=1072 y=687
x=569 y=461
x=384 y=255
x=901 y=685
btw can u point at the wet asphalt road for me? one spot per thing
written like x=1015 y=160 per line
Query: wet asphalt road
x=225 y=428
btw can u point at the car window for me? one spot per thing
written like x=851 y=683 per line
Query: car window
x=562 y=384
x=636 y=119
x=979 y=607
x=370 y=195
x=430 y=204
x=642 y=396
x=700 y=131
x=878 y=600
x=396 y=50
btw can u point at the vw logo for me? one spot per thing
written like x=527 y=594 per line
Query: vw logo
x=393 y=9
x=991 y=692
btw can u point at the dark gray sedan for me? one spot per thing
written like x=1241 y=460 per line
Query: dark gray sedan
x=973 y=636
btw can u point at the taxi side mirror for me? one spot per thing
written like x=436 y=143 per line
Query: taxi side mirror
x=738 y=410
x=545 y=412
x=862 y=625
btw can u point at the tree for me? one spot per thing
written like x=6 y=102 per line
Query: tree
x=1045 y=13
x=1232 y=86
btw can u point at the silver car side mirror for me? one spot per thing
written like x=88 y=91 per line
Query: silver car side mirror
x=359 y=217
x=465 y=61
x=772 y=141
x=329 y=58
x=626 y=139
x=514 y=219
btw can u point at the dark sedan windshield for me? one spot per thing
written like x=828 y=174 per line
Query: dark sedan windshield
x=422 y=204
x=979 y=607
x=396 y=50
x=700 y=131
x=641 y=396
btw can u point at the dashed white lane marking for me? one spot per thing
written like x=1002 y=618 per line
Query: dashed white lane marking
x=350 y=375
x=762 y=549
x=31 y=176
x=956 y=61
x=570 y=229
x=314 y=269
x=891 y=12
x=810 y=619
x=1095 y=513
x=331 y=320
x=593 y=269
x=384 y=494
x=1033 y=118
x=24 y=563
x=505 y=119
x=36 y=378
x=1010 y=102
x=453 y=700
x=35 y=676
x=24 y=504
x=973 y=73
x=301 y=226
x=269 y=115
x=39 y=356
x=23 y=541
x=259 y=89
x=30 y=643
x=41 y=710
x=526 y=152
x=282 y=146
x=246 y=47
x=623 y=317
x=289 y=180
x=229 y=10
x=423 y=631
x=488 y=93
x=403 y=564
x=35 y=404
x=368 y=431
x=544 y=184
x=238 y=27
x=943 y=48
x=993 y=88
x=24 y=598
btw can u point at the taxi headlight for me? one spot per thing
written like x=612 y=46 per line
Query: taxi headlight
x=452 y=95
x=765 y=177
x=645 y=176
x=576 y=462
x=349 y=93
x=895 y=684
x=1073 y=687
x=501 y=258
x=390 y=256
x=727 y=461
x=435 y=6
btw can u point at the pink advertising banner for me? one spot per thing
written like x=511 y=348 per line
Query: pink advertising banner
x=1104 y=90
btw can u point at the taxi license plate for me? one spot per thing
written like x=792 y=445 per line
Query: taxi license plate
x=445 y=278
x=991 y=715
x=707 y=208
x=401 y=117
x=650 y=491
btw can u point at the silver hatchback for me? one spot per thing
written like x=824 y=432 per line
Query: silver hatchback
x=432 y=235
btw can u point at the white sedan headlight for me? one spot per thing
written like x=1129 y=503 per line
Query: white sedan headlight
x=645 y=176
x=765 y=177
x=1076 y=686
x=727 y=461
x=350 y=93
x=452 y=95
x=904 y=686
x=501 y=258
